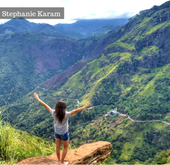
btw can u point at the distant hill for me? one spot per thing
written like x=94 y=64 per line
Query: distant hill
x=16 y=25
x=32 y=53
x=91 y=27
x=29 y=58
x=77 y=30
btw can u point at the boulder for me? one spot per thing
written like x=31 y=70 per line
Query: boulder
x=92 y=153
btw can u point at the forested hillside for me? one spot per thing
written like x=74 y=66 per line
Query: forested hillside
x=28 y=59
x=32 y=53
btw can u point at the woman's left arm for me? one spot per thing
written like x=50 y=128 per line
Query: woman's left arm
x=45 y=105
x=79 y=109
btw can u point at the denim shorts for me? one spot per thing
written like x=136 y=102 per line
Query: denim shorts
x=63 y=137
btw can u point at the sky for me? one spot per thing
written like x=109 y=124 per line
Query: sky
x=86 y=9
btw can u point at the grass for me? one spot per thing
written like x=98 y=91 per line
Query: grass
x=160 y=73
x=104 y=73
x=108 y=70
x=149 y=50
x=93 y=75
x=122 y=44
x=143 y=29
x=162 y=25
x=17 y=145
x=136 y=33
x=125 y=56
x=128 y=147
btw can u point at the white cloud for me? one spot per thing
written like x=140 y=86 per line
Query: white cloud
x=88 y=9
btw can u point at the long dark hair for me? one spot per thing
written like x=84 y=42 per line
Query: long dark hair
x=60 y=110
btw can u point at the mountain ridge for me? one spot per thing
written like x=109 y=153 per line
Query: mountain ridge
x=39 y=55
x=78 y=30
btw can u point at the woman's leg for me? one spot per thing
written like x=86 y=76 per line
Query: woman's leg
x=58 y=145
x=66 y=145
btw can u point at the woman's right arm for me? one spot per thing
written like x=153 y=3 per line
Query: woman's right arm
x=45 y=105
x=79 y=109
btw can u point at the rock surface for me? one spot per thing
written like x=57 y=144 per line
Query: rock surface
x=92 y=153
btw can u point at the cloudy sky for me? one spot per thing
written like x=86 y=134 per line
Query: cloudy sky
x=86 y=9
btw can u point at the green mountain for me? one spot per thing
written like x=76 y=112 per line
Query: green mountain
x=32 y=53
x=78 y=30
x=132 y=74
x=85 y=28
x=28 y=58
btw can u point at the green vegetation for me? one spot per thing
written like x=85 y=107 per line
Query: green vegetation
x=142 y=24
x=148 y=51
x=132 y=142
x=123 y=45
x=25 y=63
x=162 y=157
x=17 y=145
x=162 y=25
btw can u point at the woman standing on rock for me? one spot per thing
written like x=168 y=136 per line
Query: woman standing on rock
x=61 y=124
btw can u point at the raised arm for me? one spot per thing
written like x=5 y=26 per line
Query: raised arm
x=79 y=109
x=45 y=105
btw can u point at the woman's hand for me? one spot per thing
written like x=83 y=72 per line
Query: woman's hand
x=45 y=105
x=36 y=96
x=87 y=104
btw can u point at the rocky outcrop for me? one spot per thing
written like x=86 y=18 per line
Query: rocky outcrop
x=92 y=153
